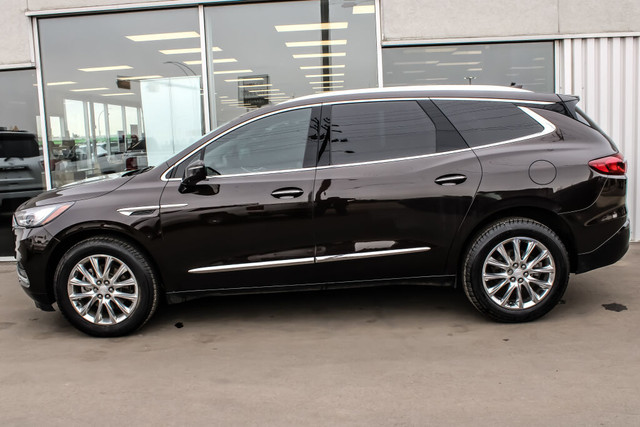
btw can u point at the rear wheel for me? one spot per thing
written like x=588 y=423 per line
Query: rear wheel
x=105 y=287
x=516 y=270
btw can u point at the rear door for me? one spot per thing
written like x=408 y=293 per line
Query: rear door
x=393 y=185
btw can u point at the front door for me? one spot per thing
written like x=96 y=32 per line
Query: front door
x=249 y=224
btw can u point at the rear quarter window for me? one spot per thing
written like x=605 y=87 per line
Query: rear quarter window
x=488 y=122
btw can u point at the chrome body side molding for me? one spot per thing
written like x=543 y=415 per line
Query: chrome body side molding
x=306 y=260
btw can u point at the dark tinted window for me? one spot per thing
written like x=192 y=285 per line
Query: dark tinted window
x=487 y=122
x=371 y=131
x=18 y=145
x=273 y=143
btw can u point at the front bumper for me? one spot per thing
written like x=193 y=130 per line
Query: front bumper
x=32 y=249
x=607 y=253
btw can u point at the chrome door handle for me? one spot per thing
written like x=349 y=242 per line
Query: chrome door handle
x=287 y=193
x=453 y=179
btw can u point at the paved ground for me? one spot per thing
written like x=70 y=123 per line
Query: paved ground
x=403 y=356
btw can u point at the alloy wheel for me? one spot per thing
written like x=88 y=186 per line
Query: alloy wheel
x=103 y=290
x=518 y=273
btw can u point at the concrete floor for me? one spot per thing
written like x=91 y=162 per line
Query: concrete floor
x=386 y=356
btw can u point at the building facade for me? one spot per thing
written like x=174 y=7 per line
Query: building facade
x=103 y=86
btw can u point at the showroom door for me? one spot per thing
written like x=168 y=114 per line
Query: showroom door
x=249 y=223
x=393 y=185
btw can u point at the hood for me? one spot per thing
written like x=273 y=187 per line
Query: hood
x=81 y=190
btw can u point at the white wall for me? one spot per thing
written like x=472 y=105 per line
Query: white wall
x=604 y=72
x=437 y=19
x=14 y=33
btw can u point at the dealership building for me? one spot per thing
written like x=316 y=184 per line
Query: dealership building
x=106 y=85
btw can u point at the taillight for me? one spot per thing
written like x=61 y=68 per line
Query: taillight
x=610 y=165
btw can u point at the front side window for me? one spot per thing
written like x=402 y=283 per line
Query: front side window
x=370 y=131
x=273 y=143
x=488 y=122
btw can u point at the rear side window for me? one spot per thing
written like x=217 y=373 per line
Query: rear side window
x=488 y=122
x=369 y=131
x=18 y=145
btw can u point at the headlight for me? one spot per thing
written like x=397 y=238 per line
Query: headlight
x=35 y=217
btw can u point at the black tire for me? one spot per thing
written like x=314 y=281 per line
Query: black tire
x=118 y=300
x=530 y=291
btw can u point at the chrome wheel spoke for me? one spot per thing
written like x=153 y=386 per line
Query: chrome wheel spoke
x=97 y=300
x=98 y=316
x=496 y=263
x=85 y=309
x=516 y=250
x=543 y=255
x=543 y=270
x=527 y=252
x=77 y=282
x=492 y=291
x=520 y=301
x=503 y=251
x=110 y=312
x=123 y=295
x=82 y=295
x=534 y=296
x=540 y=283
x=518 y=273
x=96 y=267
x=123 y=308
x=86 y=274
x=124 y=283
x=507 y=295
x=107 y=266
x=494 y=276
x=119 y=273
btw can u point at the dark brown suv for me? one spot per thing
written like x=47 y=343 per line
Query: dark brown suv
x=502 y=192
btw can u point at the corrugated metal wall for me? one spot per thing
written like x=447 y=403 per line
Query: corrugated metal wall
x=605 y=73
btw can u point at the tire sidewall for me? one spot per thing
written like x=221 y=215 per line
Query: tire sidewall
x=501 y=232
x=139 y=268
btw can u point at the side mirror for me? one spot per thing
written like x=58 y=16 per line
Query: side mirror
x=193 y=174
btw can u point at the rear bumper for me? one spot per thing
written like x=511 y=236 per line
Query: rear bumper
x=607 y=253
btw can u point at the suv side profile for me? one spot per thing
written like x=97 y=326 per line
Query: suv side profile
x=502 y=192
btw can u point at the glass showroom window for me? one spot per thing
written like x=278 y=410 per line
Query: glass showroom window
x=529 y=65
x=119 y=94
x=266 y=53
x=21 y=165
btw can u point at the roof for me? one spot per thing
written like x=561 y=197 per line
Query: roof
x=451 y=91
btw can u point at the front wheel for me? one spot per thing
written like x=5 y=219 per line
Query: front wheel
x=516 y=270
x=105 y=287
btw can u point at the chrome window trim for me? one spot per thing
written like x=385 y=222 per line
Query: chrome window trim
x=548 y=127
x=306 y=260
